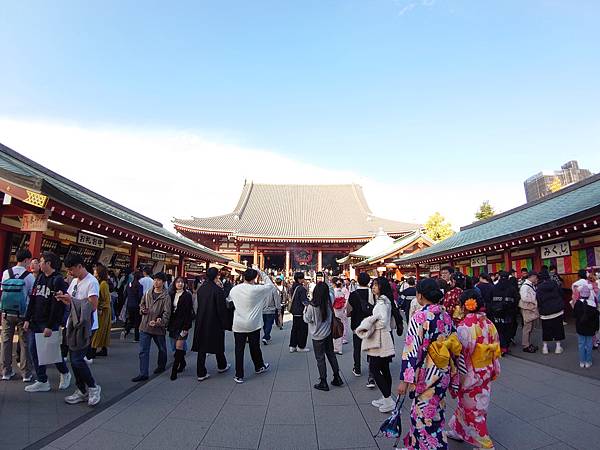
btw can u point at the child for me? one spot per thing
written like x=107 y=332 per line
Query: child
x=585 y=312
x=478 y=365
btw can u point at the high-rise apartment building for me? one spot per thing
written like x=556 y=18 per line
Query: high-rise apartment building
x=542 y=184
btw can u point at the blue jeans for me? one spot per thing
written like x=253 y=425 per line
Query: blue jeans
x=40 y=371
x=585 y=348
x=82 y=372
x=145 y=341
x=269 y=320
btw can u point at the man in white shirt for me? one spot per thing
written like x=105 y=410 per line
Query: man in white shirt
x=147 y=282
x=249 y=299
x=12 y=321
x=82 y=296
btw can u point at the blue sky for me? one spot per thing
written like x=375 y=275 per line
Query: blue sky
x=410 y=92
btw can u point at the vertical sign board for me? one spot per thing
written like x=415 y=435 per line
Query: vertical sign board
x=34 y=222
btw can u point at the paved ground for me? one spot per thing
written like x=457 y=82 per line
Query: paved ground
x=533 y=407
x=33 y=416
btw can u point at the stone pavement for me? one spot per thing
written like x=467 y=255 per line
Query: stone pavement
x=533 y=407
x=36 y=415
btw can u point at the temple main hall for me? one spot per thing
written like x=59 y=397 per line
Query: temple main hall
x=292 y=227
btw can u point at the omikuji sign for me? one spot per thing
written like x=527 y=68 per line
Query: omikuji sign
x=90 y=240
x=478 y=261
x=556 y=250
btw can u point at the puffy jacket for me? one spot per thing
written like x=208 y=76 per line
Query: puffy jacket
x=43 y=309
x=549 y=298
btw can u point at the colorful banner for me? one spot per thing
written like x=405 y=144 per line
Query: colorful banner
x=495 y=267
x=579 y=259
x=526 y=263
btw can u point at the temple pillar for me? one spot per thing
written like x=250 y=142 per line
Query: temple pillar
x=255 y=259
x=320 y=260
x=133 y=256
x=181 y=266
x=507 y=260
x=287 y=262
x=35 y=243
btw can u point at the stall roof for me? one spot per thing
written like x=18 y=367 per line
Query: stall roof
x=27 y=173
x=577 y=202
x=396 y=246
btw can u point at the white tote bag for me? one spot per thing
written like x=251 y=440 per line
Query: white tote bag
x=48 y=348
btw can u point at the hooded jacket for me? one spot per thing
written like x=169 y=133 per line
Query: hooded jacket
x=549 y=299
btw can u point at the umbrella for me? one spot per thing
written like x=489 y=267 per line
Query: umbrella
x=392 y=428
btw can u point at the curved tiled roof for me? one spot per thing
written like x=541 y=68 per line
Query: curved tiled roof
x=298 y=211
x=578 y=201
x=53 y=184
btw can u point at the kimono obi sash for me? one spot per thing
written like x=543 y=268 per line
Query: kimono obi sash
x=485 y=354
x=442 y=350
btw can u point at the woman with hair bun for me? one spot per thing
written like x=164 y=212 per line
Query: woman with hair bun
x=452 y=297
x=480 y=365
x=427 y=368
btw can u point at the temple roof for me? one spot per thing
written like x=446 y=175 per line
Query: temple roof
x=396 y=246
x=287 y=211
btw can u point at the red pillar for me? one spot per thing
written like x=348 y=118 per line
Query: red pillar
x=416 y=272
x=133 y=256
x=537 y=260
x=181 y=266
x=507 y=260
x=35 y=243
x=3 y=246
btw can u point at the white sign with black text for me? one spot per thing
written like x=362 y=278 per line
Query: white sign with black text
x=90 y=240
x=478 y=261
x=556 y=250
x=158 y=256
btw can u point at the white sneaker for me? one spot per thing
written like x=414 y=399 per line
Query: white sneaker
x=76 y=397
x=303 y=350
x=293 y=349
x=582 y=365
x=88 y=361
x=65 y=381
x=227 y=367
x=94 y=395
x=28 y=379
x=545 y=350
x=588 y=365
x=377 y=403
x=38 y=386
x=8 y=376
x=123 y=335
x=387 y=405
x=558 y=350
x=205 y=377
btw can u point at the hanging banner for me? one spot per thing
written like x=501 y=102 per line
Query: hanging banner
x=555 y=250
x=34 y=222
x=478 y=261
x=303 y=257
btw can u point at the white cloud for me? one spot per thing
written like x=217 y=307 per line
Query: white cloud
x=167 y=173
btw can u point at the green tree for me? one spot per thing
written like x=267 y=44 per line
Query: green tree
x=437 y=228
x=485 y=211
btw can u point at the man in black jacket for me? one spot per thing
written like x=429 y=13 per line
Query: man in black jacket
x=44 y=315
x=360 y=305
x=299 y=333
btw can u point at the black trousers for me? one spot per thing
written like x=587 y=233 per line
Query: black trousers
x=356 y=343
x=322 y=349
x=201 y=363
x=299 y=333
x=380 y=368
x=133 y=321
x=253 y=340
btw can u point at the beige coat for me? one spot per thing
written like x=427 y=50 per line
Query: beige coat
x=528 y=302
x=375 y=331
x=161 y=307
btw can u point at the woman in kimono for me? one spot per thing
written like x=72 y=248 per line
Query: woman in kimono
x=479 y=365
x=452 y=297
x=427 y=368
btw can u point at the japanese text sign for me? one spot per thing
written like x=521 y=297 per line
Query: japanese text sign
x=556 y=250
x=90 y=240
x=478 y=261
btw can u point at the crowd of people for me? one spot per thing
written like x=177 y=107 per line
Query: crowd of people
x=457 y=328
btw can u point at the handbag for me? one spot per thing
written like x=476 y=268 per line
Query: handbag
x=392 y=427
x=291 y=303
x=337 y=326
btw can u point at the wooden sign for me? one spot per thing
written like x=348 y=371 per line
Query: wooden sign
x=34 y=222
x=434 y=267
x=90 y=240
x=555 y=250
x=158 y=256
x=478 y=261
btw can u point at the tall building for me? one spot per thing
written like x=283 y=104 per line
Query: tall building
x=542 y=184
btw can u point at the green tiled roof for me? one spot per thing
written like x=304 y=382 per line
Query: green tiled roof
x=52 y=183
x=580 y=200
